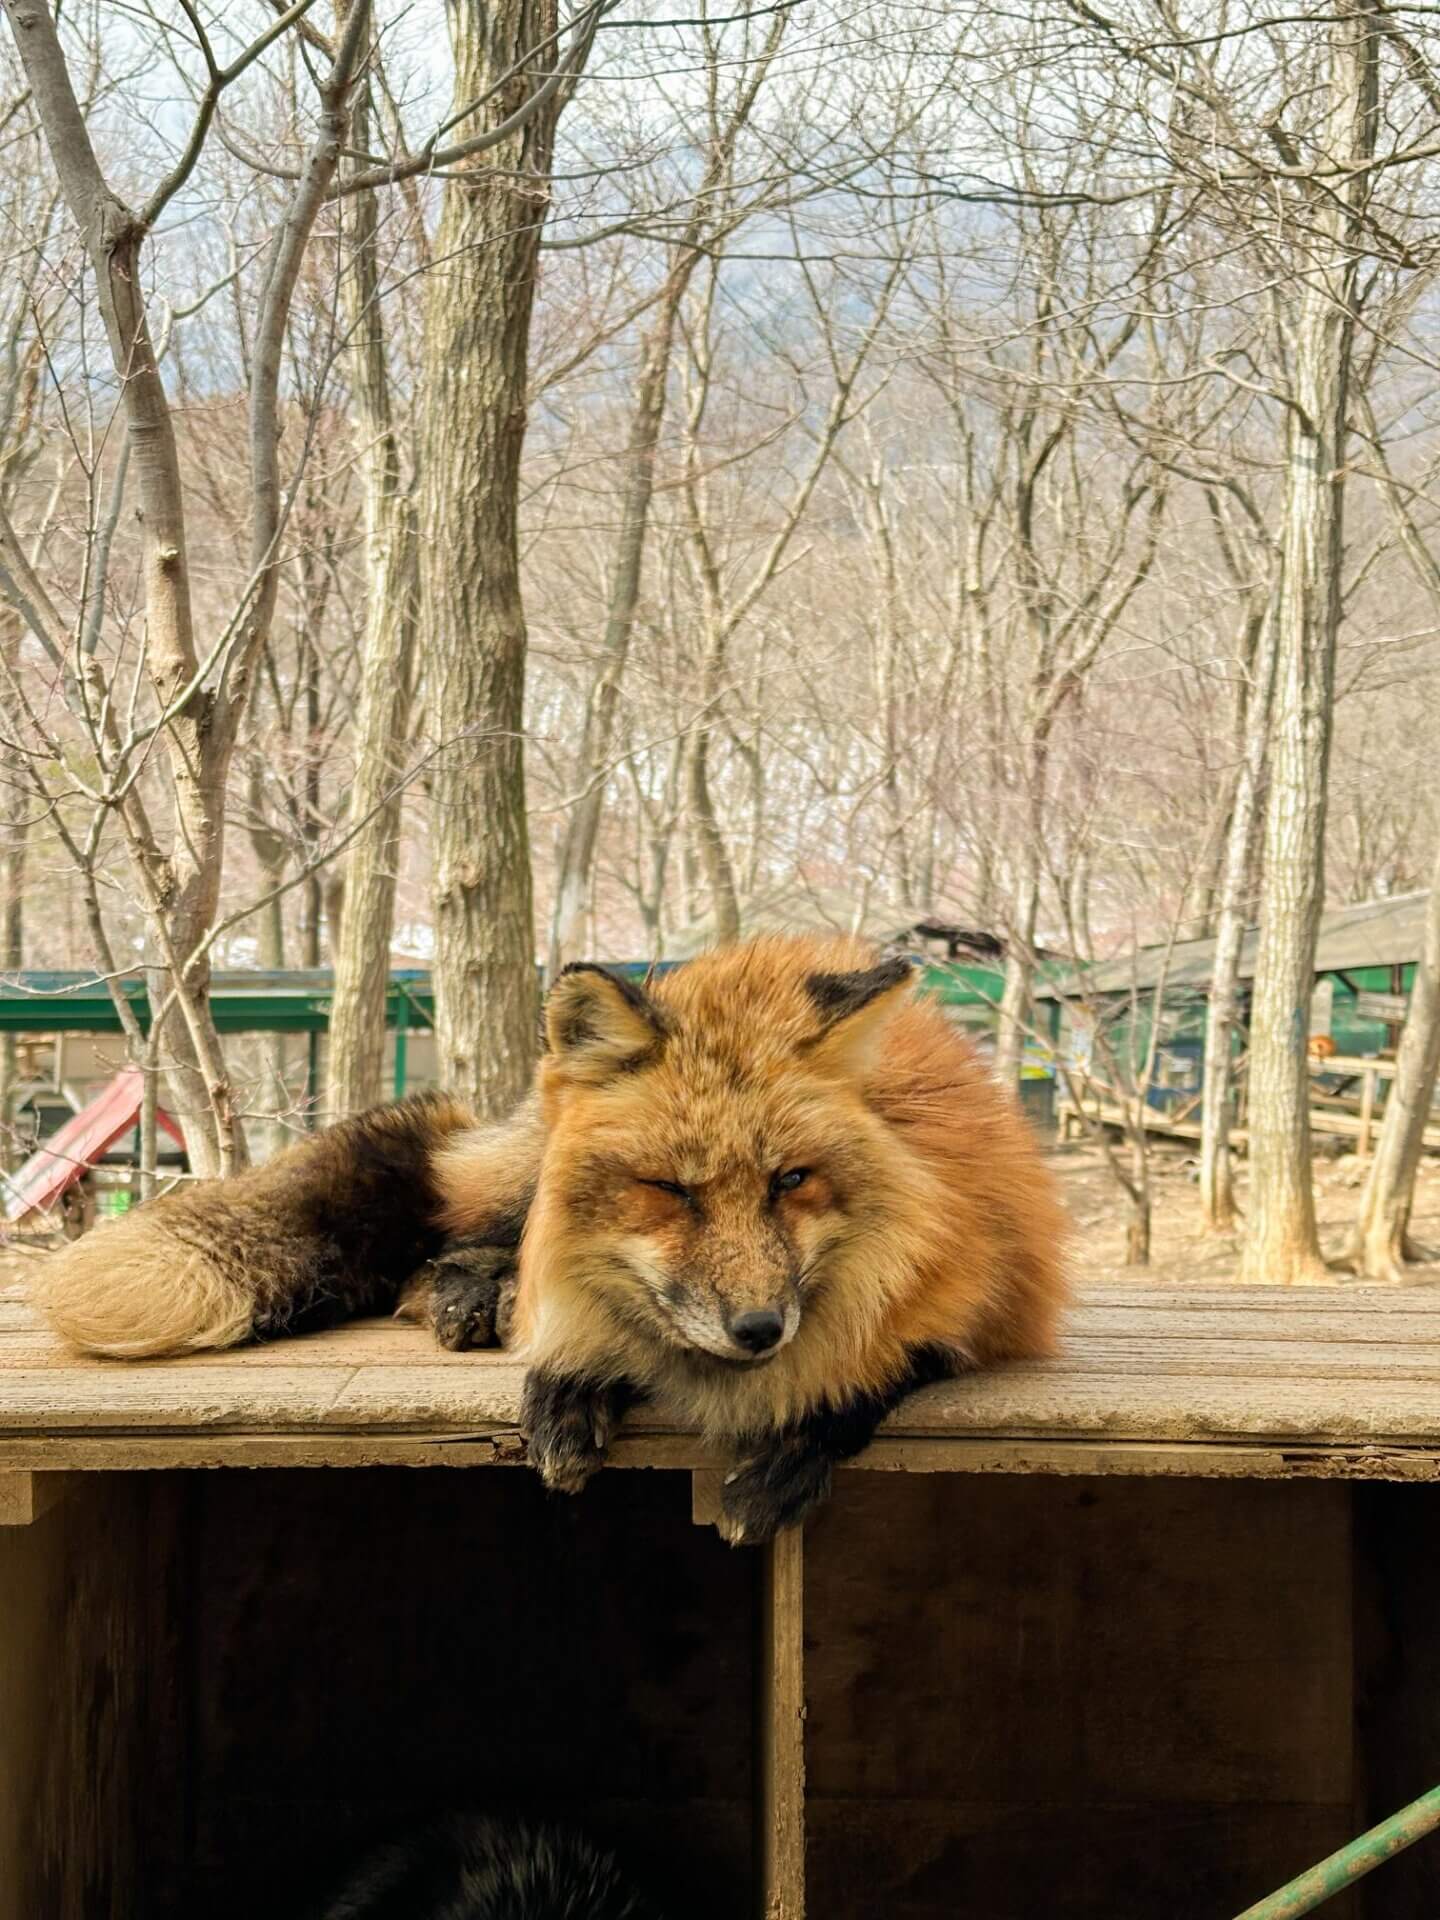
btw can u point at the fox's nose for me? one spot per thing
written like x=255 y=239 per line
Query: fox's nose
x=759 y=1330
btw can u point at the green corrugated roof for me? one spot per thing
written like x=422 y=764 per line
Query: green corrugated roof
x=1373 y=933
x=256 y=1000
x=249 y=1001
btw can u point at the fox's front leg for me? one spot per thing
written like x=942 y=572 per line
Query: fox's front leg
x=782 y=1477
x=464 y=1295
x=568 y=1420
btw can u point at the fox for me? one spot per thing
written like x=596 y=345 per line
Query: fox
x=474 y=1867
x=772 y=1191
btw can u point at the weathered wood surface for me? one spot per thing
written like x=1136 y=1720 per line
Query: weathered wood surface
x=27 y=1497
x=780 y=1714
x=1236 y=1379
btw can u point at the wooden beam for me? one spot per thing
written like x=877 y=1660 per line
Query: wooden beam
x=25 y=1496
x=781 y=1718
x=706 y=1484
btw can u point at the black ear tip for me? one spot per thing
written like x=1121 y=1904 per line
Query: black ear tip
x=581 y=966
x=586 y=1000
x=837 y=995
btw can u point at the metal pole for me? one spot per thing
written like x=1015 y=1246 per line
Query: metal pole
x=1351 y=1863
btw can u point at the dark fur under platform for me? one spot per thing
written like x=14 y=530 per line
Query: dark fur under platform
x=478 y=1868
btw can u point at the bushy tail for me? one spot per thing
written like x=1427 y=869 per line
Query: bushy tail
x=132 y=1288
x=330 y=1228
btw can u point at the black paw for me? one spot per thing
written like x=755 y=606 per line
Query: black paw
x=568 y=1422
x=471 y=1292
x=777 y=1487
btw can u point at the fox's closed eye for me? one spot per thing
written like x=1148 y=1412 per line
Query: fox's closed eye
x=788 y=1181
x=668 y=1186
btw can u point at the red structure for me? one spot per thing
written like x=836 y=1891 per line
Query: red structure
x=69 y=1154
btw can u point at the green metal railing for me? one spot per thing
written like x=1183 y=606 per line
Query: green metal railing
x=1352 y=1863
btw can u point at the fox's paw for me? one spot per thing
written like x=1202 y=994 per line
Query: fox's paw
x=767 y=1492
x=568 y=1422
x=471 y=1290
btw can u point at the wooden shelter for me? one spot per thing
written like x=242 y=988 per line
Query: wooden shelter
x=1144 y=1630
x=1364 y=967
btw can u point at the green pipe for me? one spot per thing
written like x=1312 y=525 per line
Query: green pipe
x=1351 y=1863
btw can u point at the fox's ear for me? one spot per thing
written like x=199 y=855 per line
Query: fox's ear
x=854 y=1010
x=598 y=1023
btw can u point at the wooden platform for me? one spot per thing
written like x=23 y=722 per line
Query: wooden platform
x=1161 y=1691
x=1335 y=1382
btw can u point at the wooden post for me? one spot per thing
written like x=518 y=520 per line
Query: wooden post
x=25 y=1496
x=1367 y=1110
x=706 y=1486
x=781 y=1726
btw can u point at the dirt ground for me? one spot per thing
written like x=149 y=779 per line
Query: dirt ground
x=1179 y=1250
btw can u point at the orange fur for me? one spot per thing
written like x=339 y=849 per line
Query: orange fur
x=928 y=1217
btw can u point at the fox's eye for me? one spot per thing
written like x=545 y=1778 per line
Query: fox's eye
x=789 y=1181
x=668 y=1186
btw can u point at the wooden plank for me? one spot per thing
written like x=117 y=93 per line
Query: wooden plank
x=1201 y=1401
x=25 y=1496
x=1066 y=1456
x=1322 y=1328
x=1371 y=1297
x=781 y=1717
x=1322 y=1120
x=124 y=1452
x=1349 y=1367
x=1067 y=1701
x=1242 y=1344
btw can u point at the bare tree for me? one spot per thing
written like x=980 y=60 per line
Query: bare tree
x=1255 y=683
x=200 y=696
x=1382 y=1245
x=716 y=211
x=362 y=951
x=481 y=288
x=1282 y=1242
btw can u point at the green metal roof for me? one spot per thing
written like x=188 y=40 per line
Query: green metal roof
x=298 y=1000
x=252 y=1001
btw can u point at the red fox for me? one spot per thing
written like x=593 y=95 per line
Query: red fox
x=771 y=1190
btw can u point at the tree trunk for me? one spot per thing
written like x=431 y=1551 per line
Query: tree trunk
x=476 y=349
x=714 y=855
x=1014 y=1010
x=312 y=894
x=1137 y=1228
x=575 y=855
x=181 y=886
x=1382 y=1233
x=270 y=853
x=1217 y=1177
x=1282 y=1243
x=277 y=1090
x=896 y=858
x=13 y=837
x=361 y=942
x=1022 y=921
